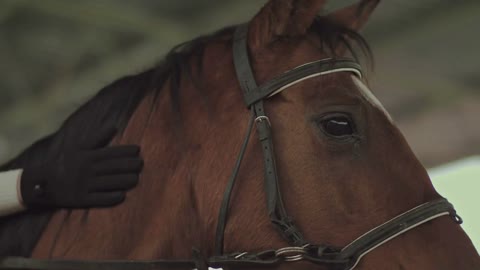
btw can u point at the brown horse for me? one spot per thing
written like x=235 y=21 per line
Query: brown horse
x=344 y=167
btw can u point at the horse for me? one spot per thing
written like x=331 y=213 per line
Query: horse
x=341 y=170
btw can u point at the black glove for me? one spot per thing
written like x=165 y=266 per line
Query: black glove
x=93 y=176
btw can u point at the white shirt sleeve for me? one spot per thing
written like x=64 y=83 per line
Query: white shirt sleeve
x=10 y=201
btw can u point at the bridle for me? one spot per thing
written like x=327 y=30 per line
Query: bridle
x=345 y=258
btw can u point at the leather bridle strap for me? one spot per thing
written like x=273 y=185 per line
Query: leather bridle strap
x=20 y=263
x=223 y=213
x=346 y=259
x=301 y=73
x=253 y=93
x=16 y=263
x=254 y=96
x=275 y=207
x=395 y=227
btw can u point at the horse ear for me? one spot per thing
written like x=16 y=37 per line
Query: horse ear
x=283 y=18
x=354 y=16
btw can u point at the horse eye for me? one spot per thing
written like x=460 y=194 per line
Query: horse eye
x=337 y=126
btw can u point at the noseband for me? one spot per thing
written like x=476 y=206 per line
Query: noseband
x=300 y=249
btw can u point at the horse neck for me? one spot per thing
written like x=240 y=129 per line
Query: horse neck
x=188 y=157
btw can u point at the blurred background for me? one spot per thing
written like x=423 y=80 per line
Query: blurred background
x=55 y=54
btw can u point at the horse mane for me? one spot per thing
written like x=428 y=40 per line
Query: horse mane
x=114 y=106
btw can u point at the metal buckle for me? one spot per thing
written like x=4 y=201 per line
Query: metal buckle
x=291 y=254
x=264 y=256
x=263 y=118
x=240 y=255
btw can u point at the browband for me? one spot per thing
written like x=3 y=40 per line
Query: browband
x=253 y=93
x=301 y=73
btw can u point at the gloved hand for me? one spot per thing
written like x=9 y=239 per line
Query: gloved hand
x=92 y=176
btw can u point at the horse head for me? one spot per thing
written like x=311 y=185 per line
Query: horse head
x=340 y=166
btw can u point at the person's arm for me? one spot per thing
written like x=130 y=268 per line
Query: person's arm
x=10 y=198
x=92 y=175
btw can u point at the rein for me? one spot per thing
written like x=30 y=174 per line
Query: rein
x=345 y=258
